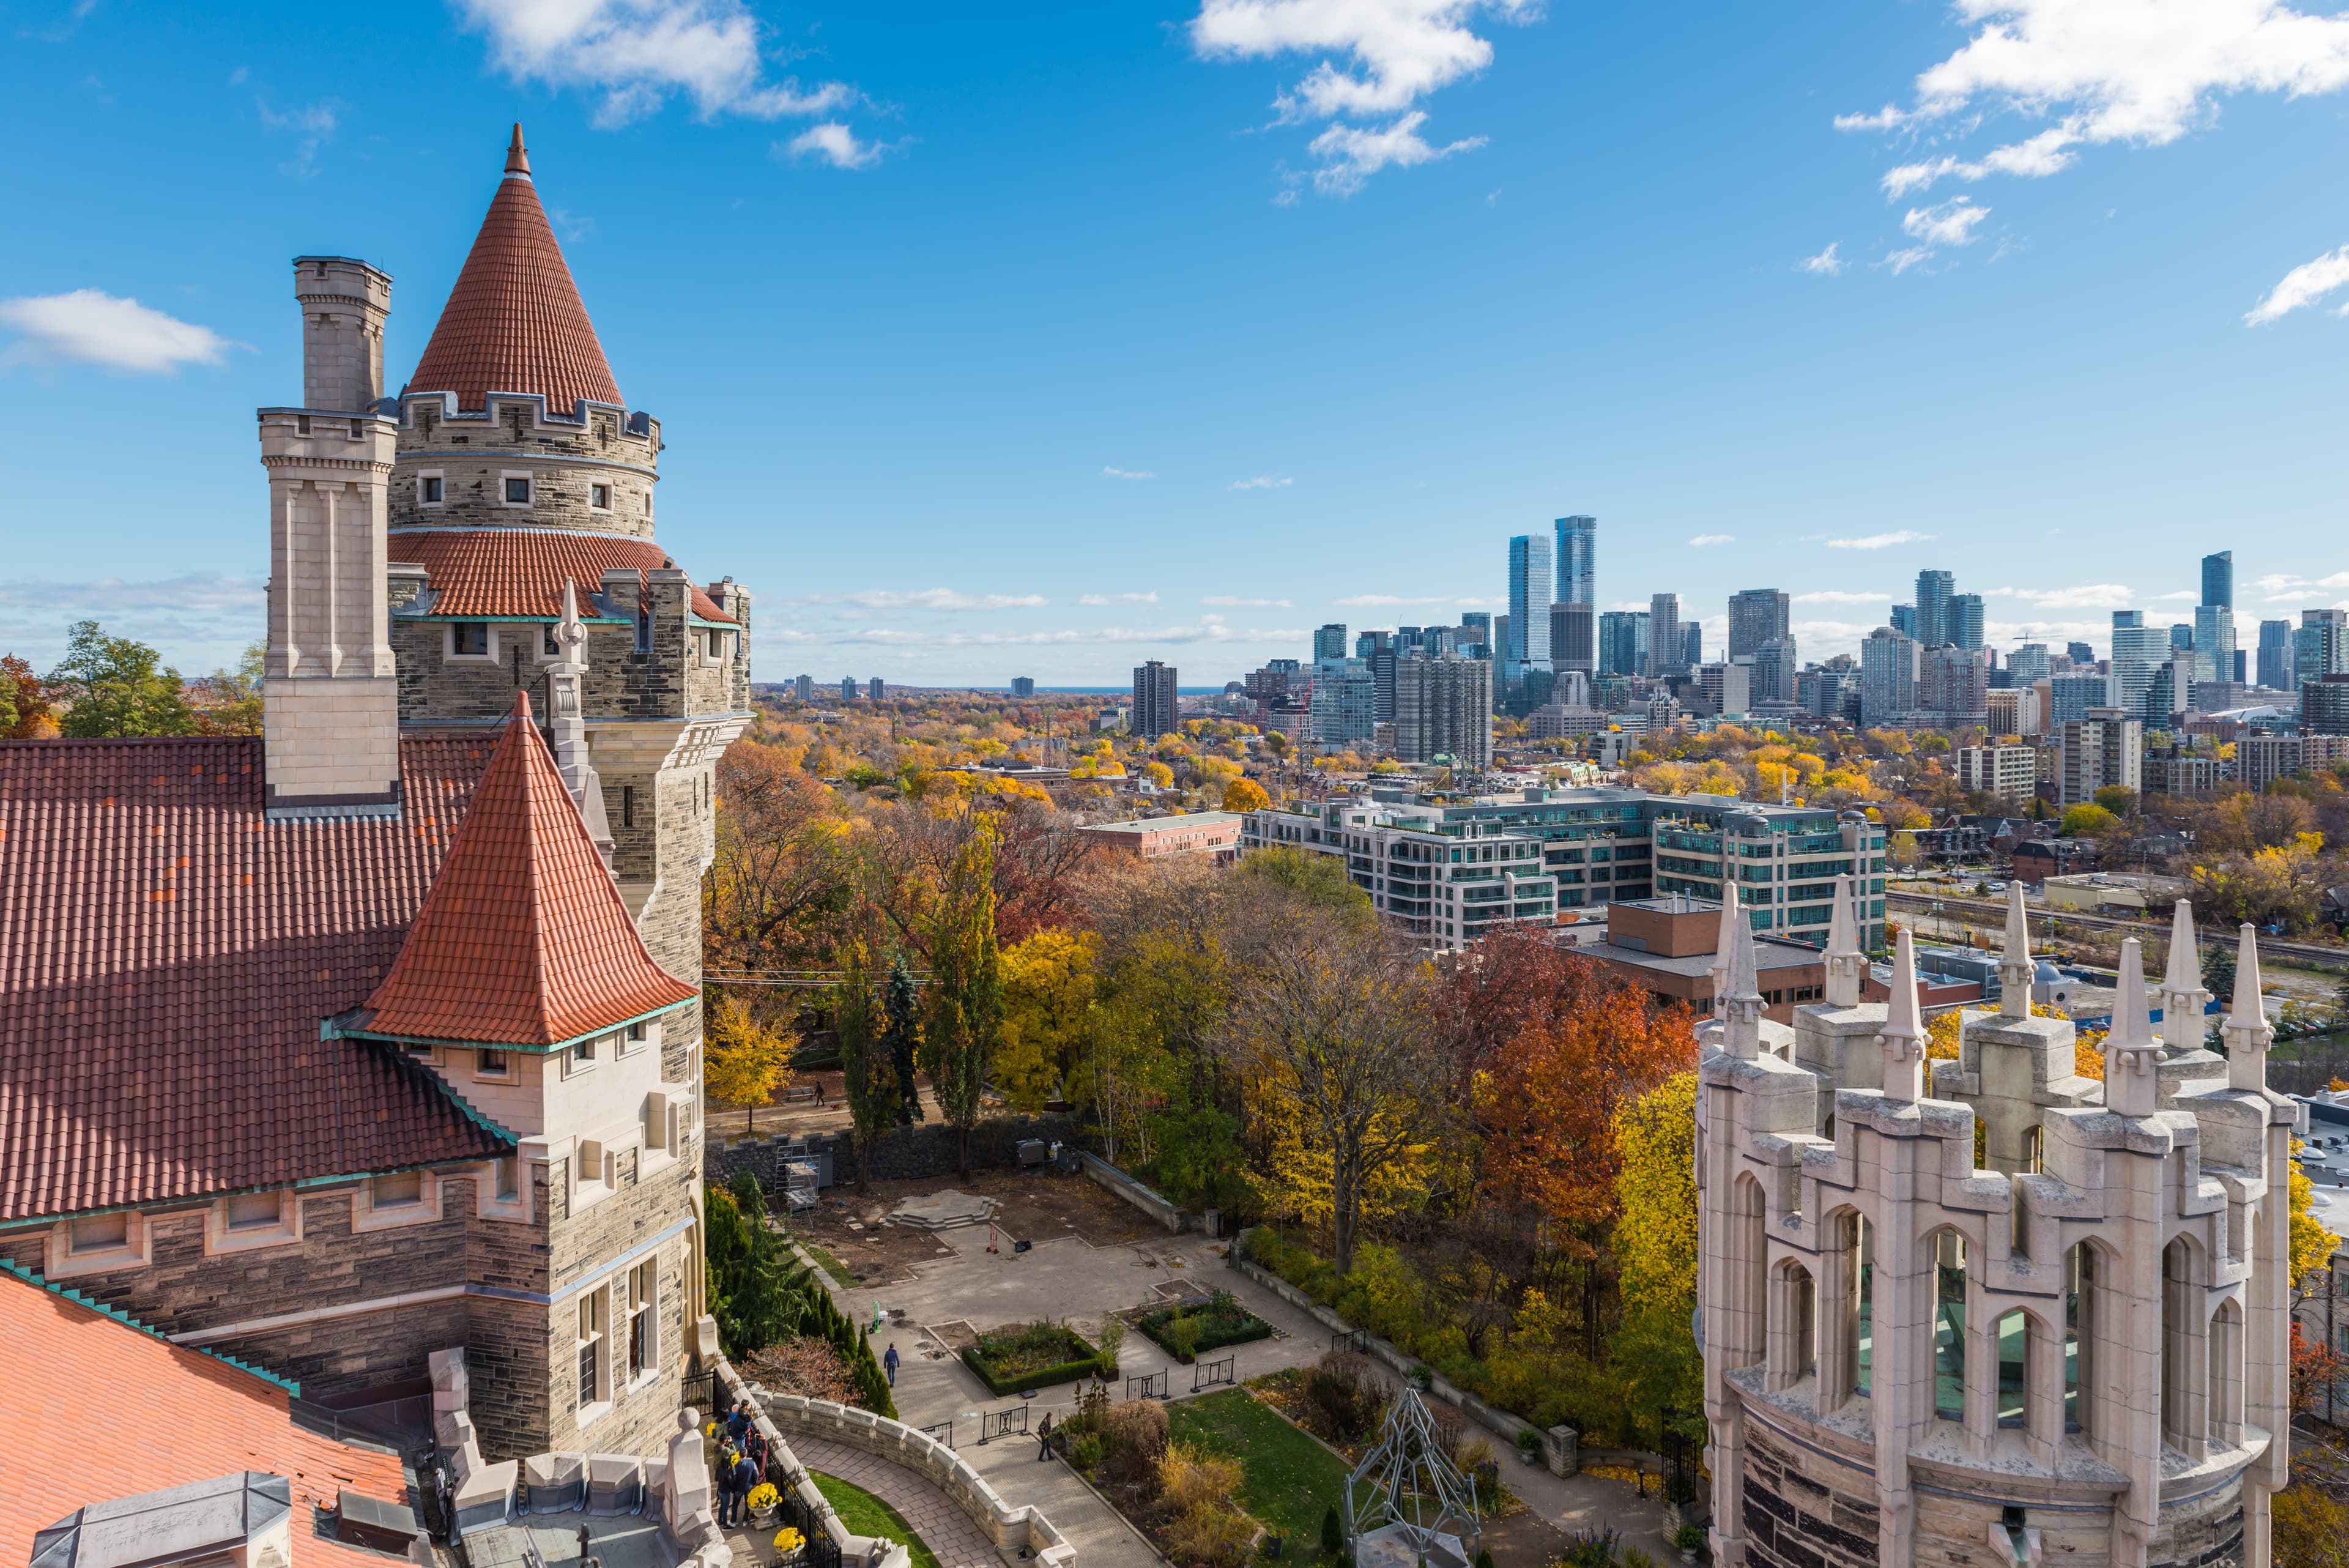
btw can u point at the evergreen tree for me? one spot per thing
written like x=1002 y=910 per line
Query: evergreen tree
x=867 y=1069
x=901 y=1008
x=964 y=1009
x=1333 y=1533
x=2218 y=971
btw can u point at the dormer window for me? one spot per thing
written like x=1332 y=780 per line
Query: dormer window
x=470 y=640
x=516 y=488
x=489 y=1063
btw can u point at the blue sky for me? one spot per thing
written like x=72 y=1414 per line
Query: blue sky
x=1044 y=339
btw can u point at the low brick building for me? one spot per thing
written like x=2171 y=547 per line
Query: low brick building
x=1212 y=833
x=1669 y=946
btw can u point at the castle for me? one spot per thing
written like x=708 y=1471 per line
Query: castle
x=380 y=1034
x=2028 y=1318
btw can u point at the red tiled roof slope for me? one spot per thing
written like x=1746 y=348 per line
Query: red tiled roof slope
x=521 y=571
x=514 y=322
x=524 y=939
x=77 y=1376
x=166 y=956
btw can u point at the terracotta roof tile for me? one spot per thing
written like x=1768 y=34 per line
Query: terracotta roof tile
x=524 y=939
x=82 y=1383
x=166 y=956
x=514 y=322
x=521 y=571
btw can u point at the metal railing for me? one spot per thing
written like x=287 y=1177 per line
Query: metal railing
x=943 y=1432
x=1153 y=1387
x=1207 y=1374
x=994 y=1424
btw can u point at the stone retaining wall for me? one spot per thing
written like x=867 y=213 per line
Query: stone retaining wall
x=921 y=1153
x=1010 y=1528
x=1561 y=1446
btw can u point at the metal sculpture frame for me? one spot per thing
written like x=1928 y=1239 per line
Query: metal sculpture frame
x=1411 y=1480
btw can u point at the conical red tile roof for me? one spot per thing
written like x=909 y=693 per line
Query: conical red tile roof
x=522 y=939
x=514 y=322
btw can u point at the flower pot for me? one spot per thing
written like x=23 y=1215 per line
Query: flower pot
x=1689 y=1558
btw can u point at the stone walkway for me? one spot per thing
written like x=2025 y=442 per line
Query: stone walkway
x=944 y=1528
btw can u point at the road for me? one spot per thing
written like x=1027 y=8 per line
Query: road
x=1990 y=914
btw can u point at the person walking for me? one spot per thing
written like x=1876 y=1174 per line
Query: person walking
x=1044 y=1437
x=743 y=1477
x=889 y=1363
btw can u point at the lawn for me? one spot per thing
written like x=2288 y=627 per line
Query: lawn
x=865 y=1514
x=826 y=1262
x=1291 y=1478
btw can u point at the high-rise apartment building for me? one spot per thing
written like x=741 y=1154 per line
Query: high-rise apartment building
x=1530 y=586
x=876 y=689
x=2324 y=705
x=1904 y=620
x=1755 y=617
x=1691 y=644
x=2138 y=651
x=848 y=688
x=1962 y=620
x=1329 y=641
x=2108 y=747
x=1933 y=591
x=1888 y=675
x=1623 y=642
x=1444 y=708
x=1954 y=680
x=804 y=687
x=2009 y=773
x=1578 y=561
x=1345 y=701
x=1663 y=632
x=1383 y=684
x=2275 y=670
x=2014 y=710
x=2218 y=579
x=1155 y=712
x=2070 y=697
x=1573 y=638
x=1476 y=630
x=1023 y=686
x=1728 y=688
x=1776 y=668
x=2321 y=646
x=2028 y=663
x=2079 y=653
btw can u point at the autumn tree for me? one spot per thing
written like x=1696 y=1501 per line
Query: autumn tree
x=118 y=687
x=1655 y=1246
x=868 y=1074
x=745 y=1061
x=782 y=874
x=26 y=711
x=228 y=702
x=1048 y=1012
x=1246 y=794
x=963 y=1012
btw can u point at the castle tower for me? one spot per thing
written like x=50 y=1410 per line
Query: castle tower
x=330 y=700
x=520 y=475
x=2076 y=1352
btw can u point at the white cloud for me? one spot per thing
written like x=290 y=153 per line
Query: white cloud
x=2088 y=595
x=1262 y=482
x=198 y=623
x=1840 y=597
x=925 y=598
x=1117 y=598
x=1702 y=540
x=637 y=52
x=1388 y=601
x=1351 y=155
x=835 y=144
x=1950 y=223
x=2134 y=71
x=1229 y=602
x=1826 y=264
x=1127 y=473
x=2283 y=587
x=1394 y=53
x=2304 y=284
x=1881 y=541
x=88 y=327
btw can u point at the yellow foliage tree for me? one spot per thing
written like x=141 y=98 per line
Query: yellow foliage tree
x=1655 y=1240
x=1245 y=795
x=2312 y=1244
x=1049 y=984
x=745 y=1062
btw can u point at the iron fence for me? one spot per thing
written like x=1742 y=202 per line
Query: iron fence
x=1207 y=1374
x=943 y=1432
x=1153 y=1387
x=994 y=1424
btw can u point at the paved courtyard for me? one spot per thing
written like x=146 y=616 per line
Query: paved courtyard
x=968 y=1289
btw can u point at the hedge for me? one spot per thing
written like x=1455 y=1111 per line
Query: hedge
x=1250 y=1327
x=1066 y=1372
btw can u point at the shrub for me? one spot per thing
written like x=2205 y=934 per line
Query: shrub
x=1029 y=1354
x=1185 y=1331
x=1688 y=1538
x=1085 y=1451
x=1484 y=1557
x=1333 y=1534
x=1343 y=1398
x=1590 y=1549
x=1183 y=1337
x=1635 y=1558
x=1204 y=1527
x=1111 y=1340
x=1528 y=1441
x=1137 y=1428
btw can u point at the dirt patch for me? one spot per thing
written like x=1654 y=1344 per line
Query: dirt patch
x=1524 y=1540
x=1033 y=1207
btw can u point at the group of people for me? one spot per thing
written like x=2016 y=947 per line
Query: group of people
x=742 y=1454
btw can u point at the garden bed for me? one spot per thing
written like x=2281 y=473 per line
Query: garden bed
x=1292 y=1479
x=862 y=1514
x=1186 y=1330
x=1025 y=1356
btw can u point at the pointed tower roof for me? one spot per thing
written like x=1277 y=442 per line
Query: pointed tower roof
x=2183 y=973
x=523 y=938
x=514 y=322
x=1903 y=1036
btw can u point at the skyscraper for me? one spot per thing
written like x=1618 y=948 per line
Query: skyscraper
x=1623 y=642
x=1443 y=707
x=2139 y=650
x=2218 y=579
x=1345 y=701
x=1480 y=622
x=2079 y=653
x=2321 y=646
x=1367 y=643
x=2028 y=663
x=1153 y=701
x=2181 y=636
x=1933 y=590
x=1329 y=641
x=2275 y=655
x=1904 y=620
x=876 y=689
x=1961 y=621
x=1755 y=617
x=1530 y=586
x=1578 y=560
x=1888 y=675
x=1663 y=632
x=2214 y=642
x=1693 y=644
x=1023 y=686
x=1774 y=670
x=1573 y=633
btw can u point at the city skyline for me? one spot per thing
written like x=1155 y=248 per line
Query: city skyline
x=1080 y=363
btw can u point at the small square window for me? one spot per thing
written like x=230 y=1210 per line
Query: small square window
x=469 y=638
x=599 y=496
x=517 y=491
x=635 y=1031
x=491 y=1063
x=404 y=1191
x=100 y=1233
x=551 y=647
x=254 y=1211
x=427 y=490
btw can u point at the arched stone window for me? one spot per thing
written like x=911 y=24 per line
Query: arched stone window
x=2185 y=1387
x=2013 y=1337
x=2226 y=1353
x=1793 y=1316
x=1949 y=1251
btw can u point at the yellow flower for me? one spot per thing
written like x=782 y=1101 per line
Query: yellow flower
x=762 y=1495
x=710 y=1431
x=788 y=1540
